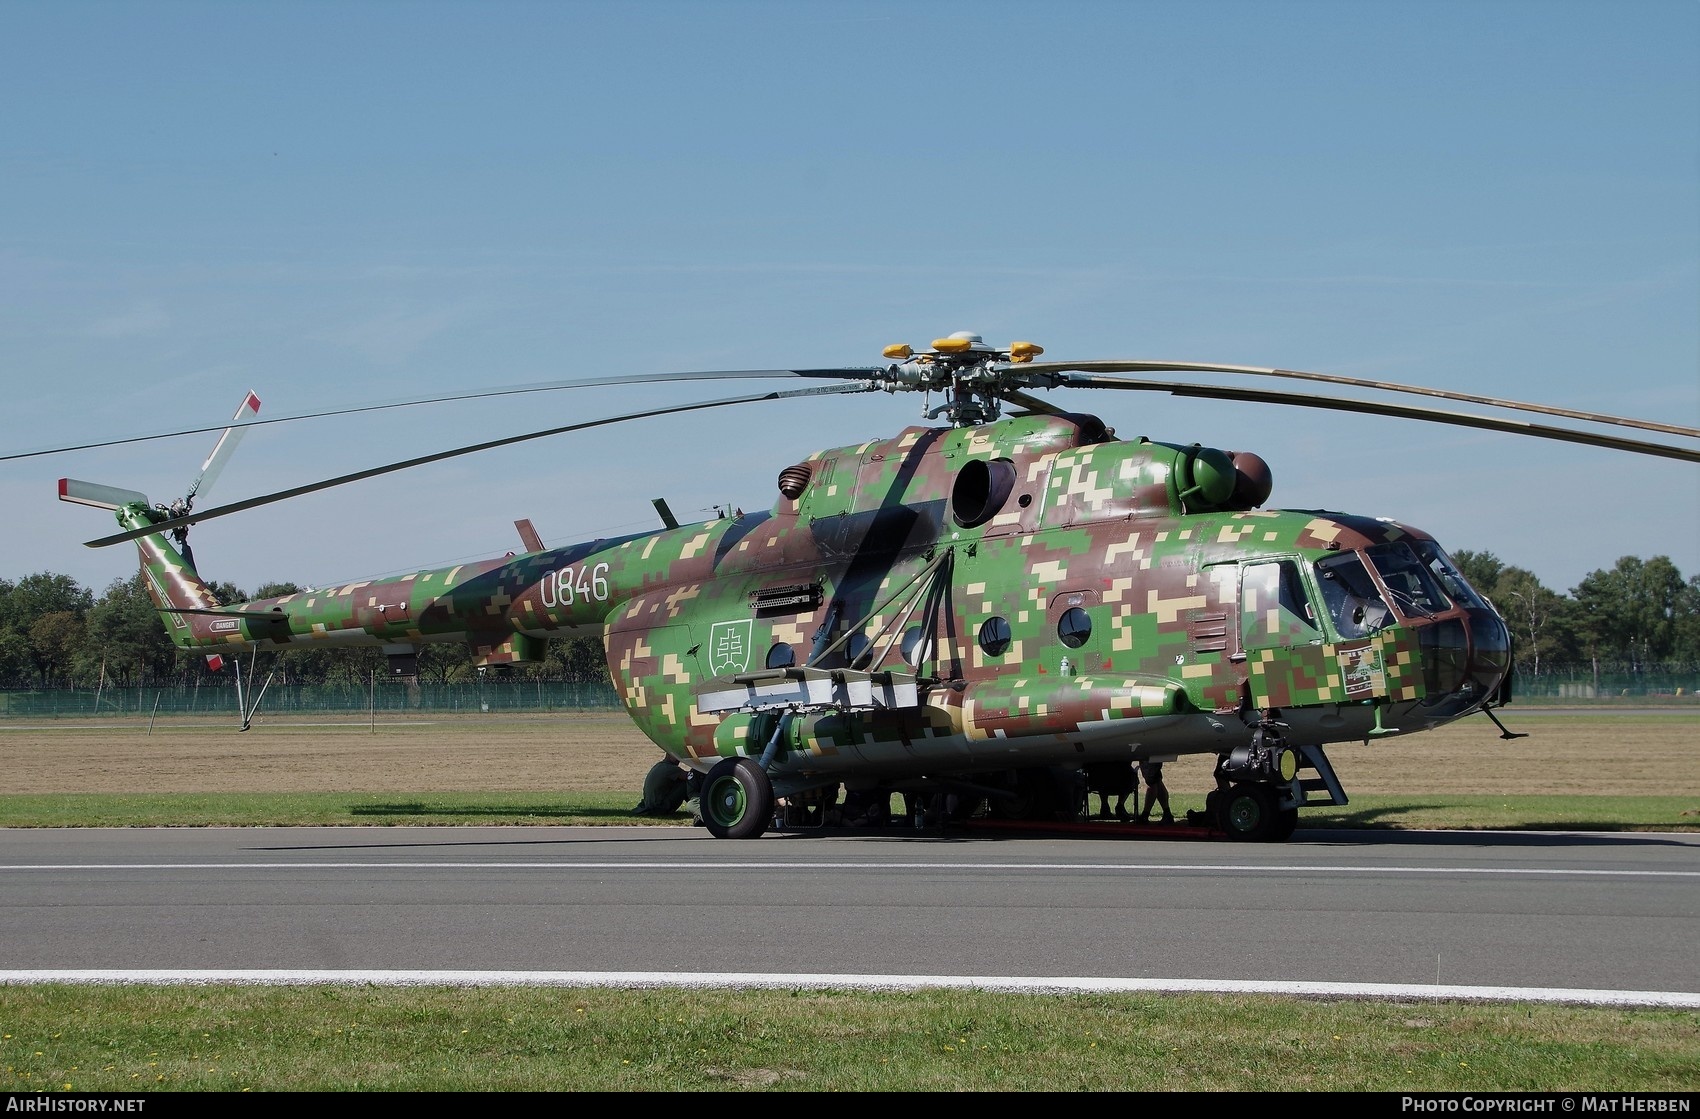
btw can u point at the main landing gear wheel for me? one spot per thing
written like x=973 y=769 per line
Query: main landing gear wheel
x=1286 y=822
x=1248 y=812
x=737 y=799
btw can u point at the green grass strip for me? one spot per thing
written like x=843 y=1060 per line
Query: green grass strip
x=61 y=1037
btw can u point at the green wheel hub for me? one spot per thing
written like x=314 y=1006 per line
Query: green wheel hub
x=737 y=799
x=726 y=801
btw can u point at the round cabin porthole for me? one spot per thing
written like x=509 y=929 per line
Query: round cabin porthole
x=1074 y=627
x=917 y=650
x=994 y=636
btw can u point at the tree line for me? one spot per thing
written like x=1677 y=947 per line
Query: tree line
x=1633 y=617
x=57 y=634
x=1630 y=618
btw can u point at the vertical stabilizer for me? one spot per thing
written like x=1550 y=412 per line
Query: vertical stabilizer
x=172 y=581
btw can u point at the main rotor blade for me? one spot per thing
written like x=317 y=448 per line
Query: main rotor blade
x=1402 y=411
x=360 y=475
x=481 y=394
x=1354 y=382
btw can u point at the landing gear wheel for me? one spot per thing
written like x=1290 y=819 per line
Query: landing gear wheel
x=737 y=799
x=1286 y=822
x=1248 y=812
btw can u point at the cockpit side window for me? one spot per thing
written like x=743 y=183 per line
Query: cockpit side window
x=1274 y=608
x=1354 y=604
x=1451 y=579
x=1415 y=591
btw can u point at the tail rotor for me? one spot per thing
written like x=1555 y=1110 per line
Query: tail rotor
x=210 y=470
x=180 y=586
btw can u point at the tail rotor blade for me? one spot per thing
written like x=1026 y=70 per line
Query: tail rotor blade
x=97 y=495
x=222 y=450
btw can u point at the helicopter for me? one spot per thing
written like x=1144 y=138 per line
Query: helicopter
x=969 y=612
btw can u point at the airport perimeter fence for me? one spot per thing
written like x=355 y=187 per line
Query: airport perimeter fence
x=511 y=696
x=1674 y=684
x=1569 y=682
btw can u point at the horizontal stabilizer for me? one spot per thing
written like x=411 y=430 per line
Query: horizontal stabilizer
x=101 y=497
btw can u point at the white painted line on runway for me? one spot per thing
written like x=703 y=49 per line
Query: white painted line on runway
x=1044 y=985
x=705 y=867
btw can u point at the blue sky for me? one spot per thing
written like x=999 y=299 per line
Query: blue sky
x=342 y=203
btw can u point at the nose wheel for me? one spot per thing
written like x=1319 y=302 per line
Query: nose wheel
x=737 y=799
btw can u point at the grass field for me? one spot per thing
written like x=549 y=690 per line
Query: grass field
x=1593 y=771
x=340 y=1039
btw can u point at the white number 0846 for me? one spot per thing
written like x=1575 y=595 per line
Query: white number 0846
x=570 y=585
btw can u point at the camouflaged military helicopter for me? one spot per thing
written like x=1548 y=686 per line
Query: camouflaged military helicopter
x=967 y=613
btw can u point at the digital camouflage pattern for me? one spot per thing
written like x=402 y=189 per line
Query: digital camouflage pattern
x=1012 y=596
x=968 y=614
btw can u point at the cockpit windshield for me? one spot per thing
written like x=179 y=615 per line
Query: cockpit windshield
x=1415 y=591
x=1451 y=579
x=1353 y=601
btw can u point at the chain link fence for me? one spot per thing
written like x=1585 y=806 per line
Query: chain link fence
x=508 y=695
x=1557 y=683
x=1584 y=683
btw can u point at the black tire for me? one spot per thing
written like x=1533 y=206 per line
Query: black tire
x=737 y=799
x=1248 y=813
x=1286 y=822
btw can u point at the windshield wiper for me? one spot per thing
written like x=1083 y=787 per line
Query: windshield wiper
x=1409 y=605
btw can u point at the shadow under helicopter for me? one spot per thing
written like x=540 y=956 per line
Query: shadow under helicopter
x=1555 y=836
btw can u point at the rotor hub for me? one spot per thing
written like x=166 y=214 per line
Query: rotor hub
x=973 y=377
